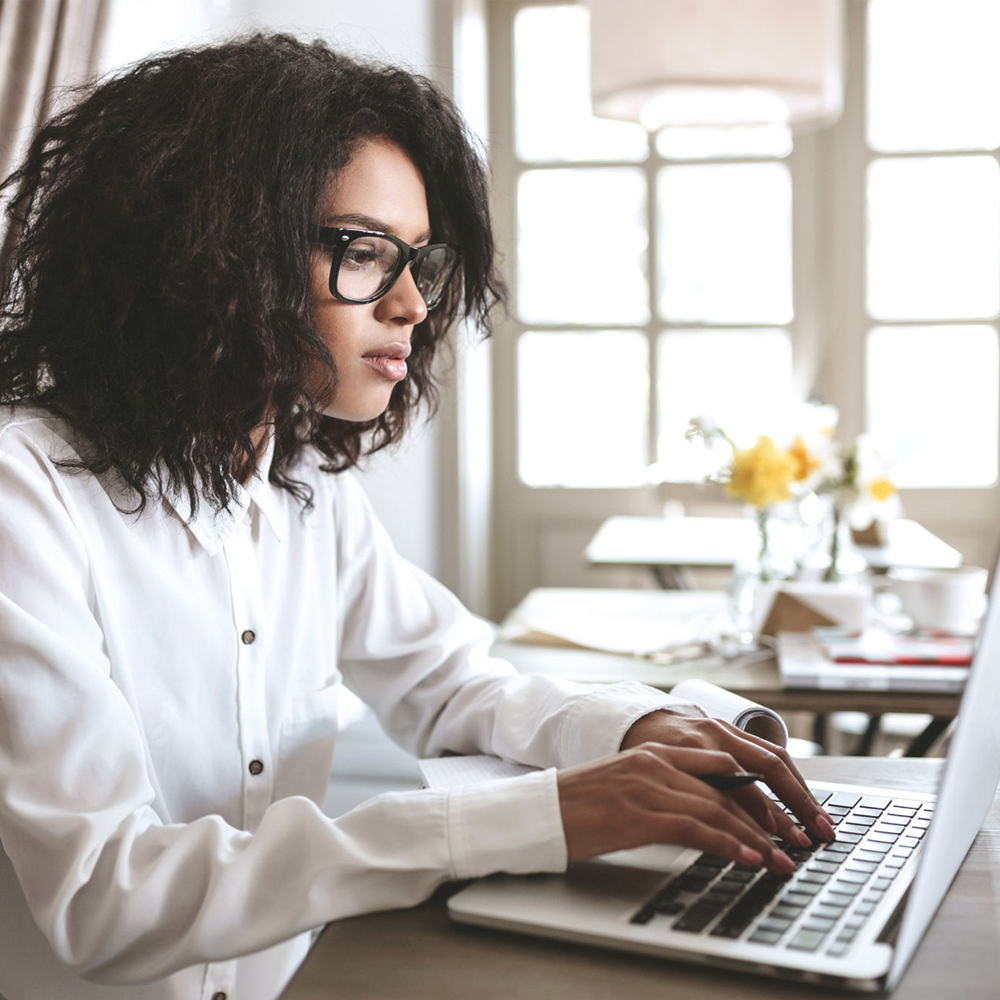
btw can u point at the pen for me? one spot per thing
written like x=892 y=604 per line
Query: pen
x=735 y=780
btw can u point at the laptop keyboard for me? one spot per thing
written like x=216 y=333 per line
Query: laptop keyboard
x=824 y=905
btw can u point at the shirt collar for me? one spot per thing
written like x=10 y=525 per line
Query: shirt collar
x=212 y=528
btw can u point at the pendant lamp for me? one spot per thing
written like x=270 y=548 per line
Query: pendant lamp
x=718 y=62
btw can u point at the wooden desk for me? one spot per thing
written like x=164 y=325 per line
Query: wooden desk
x=419 y=954
x=669 y=545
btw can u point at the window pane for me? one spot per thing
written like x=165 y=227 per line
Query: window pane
x=582 y=408
x=934 y=238
x=726 y=243
x=717 y=143
x=581 y=252
x=933 y=402
x=552 y=113
x=933 y=74
x=741 y=378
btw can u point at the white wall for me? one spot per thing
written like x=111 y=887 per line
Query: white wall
x=402 y=484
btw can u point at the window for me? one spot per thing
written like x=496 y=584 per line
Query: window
x=734 y=273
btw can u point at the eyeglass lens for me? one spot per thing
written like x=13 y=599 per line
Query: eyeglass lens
x=369 y=264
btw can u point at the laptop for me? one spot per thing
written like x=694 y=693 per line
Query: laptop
x=851 y=916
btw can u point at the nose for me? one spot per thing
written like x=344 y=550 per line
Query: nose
x=403 y=303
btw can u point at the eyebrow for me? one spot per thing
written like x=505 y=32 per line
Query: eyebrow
x=370 y=223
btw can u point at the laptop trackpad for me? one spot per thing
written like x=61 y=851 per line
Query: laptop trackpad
x=658 y=857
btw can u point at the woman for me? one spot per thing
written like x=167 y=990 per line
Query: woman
x=232 y=271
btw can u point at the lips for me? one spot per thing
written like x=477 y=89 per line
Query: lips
x=389 y=360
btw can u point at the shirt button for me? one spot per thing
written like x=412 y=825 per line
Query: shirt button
x=256 y=767
x=248 y=637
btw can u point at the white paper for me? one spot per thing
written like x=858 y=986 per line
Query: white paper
x=457 y=772
x=633 y=623
x=734 y=709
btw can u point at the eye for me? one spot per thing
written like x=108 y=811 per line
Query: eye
x=362 y=255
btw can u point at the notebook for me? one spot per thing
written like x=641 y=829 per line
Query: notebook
x=851 y=916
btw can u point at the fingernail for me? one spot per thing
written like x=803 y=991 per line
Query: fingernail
x=800 y=837
x=749 y=856
x=782 y=860
x=825 y=828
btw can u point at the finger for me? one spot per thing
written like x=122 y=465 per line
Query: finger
x=783 y=777
x=722 y=818
x=680 y=792
x=755 y=809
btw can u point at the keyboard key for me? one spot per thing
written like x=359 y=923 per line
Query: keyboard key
x=882 y=883
x=805 y=888
x=821 y=795
x=837 y=949
x=856 y=878
x=888 y=827
x=855 y=820
x=883 y=838
x=826 y=867
x=711 y=861
x=848 y=838
x=854 y=865
x=872 y=896
x=696 y=919
x=852 y=828
x=796 y=899
x=902 y=852
x=765 y=937
x=846 y=799
x=789 y=910
x=774 y=923
x=895 y=862
x=866 y=811
x=875 y=802
x=853 y=923
x=869 y=857
x=846 y=887
x=827 y=911
x=669 y=906
x=831 y=857
x=818 y=924
x=863 y=909
x=814 y=877
x=909 y=842
x=807 y=940
x=839 y=848
x=874 y=847
x=841 y=899
x=738 y=877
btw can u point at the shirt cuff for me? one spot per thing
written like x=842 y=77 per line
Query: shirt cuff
x=507 y=825
x=596 y=725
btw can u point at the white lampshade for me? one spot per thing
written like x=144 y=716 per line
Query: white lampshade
x=717 y=62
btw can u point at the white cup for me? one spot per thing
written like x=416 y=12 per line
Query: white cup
x=941 y=598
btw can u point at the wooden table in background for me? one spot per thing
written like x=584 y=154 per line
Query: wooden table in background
x=668 y=546
x=419 y=954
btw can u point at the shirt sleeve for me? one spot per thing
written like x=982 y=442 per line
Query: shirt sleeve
x=421 y=661
x=122 y=894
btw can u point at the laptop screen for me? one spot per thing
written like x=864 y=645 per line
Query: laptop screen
x=970 y=778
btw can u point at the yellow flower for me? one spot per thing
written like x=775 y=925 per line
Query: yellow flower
x=881 y=489
x=806 y=463
x=761 y=475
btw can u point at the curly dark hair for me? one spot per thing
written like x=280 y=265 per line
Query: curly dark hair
x=157 y=295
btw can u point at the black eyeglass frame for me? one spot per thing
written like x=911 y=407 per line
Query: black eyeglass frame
x=338 y=240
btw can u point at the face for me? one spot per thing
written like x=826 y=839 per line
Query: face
x=380 y=189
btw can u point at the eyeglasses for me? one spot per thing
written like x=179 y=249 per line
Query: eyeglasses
x=365 y=265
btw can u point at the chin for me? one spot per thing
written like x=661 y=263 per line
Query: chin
x=359 y=413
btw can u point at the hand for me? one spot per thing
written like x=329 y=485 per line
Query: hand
x=747 y=753
x=649 y=794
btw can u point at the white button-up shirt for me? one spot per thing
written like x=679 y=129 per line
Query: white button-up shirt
x=168 y=690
